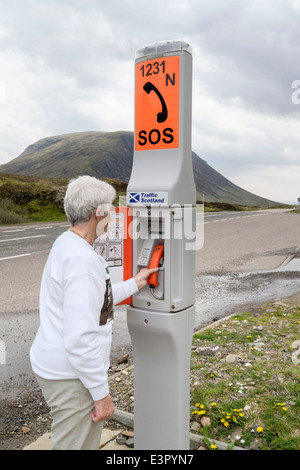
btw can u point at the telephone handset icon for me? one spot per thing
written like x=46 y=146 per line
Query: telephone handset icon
x=162 y=116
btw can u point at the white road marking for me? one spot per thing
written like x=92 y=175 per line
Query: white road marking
x=16 y=256
x=21 y=238
x=15 y=230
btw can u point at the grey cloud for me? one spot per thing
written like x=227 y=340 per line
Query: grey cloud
x=246 y=56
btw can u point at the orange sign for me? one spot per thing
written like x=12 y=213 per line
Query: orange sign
x=157 y=103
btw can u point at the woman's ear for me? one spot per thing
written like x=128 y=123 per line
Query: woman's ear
x=103 y=219
x=98 y=211
x=101 y=211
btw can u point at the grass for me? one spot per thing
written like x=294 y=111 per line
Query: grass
x=244 y=385
x=245 y=379
x=25 y=199
x=36 y=210
x=11 y=213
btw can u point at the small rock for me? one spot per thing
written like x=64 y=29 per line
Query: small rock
x=257 y=340
x=202 y=351
x=128 y=433
x=236 y=434
x=25 y=430
x=123 y=359
x=258 y=344
x=195 y=426
x=279 y=304
x=130 y=442
x=231 y=358
x=254 y=445
x=205 y=421
x=121 y=440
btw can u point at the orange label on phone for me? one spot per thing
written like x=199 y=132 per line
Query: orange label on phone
x=157 y=103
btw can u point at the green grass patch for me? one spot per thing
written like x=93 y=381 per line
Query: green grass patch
x=25 y=199
x=245 y=378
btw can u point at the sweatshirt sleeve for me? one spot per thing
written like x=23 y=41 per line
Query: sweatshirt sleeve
x=124 y=289
x=85 y=341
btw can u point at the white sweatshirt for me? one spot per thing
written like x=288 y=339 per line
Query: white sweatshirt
x=76 y=308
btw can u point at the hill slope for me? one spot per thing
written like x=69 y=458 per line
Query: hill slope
x=109 y=155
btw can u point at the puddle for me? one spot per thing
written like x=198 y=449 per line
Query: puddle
x=221 y=295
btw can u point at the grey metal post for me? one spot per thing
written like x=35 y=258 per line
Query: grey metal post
x=162 y=196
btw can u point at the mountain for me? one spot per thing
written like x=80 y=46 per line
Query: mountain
x=109 y=155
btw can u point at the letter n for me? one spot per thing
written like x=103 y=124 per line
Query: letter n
x=169 y=79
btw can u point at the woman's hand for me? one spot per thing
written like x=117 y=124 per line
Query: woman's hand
x=103 y=409
x=142 y=276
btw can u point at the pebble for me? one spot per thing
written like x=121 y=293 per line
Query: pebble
x=232 y=358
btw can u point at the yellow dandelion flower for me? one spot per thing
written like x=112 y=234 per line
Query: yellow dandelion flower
x=213 y=404
x=259 y=429
x=249 y=336
x=222 y=420
x=284 y=408
x=201 y=406
x=241 y=415
x=197 y=404
x=226 y=424
x=213 y=446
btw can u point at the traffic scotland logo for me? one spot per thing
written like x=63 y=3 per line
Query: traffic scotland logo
x=134 y=198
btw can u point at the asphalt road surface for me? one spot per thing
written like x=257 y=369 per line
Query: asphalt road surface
x=245 y=257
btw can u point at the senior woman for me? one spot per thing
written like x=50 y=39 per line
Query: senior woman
x=70 y=353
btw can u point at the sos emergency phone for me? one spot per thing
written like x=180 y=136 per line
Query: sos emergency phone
x=163 y=209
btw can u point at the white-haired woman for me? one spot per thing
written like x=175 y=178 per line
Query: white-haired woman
x=70 y=353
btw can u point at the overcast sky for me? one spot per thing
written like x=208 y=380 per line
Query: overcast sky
x=68 y=66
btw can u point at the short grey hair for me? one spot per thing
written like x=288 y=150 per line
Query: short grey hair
x=83 y=195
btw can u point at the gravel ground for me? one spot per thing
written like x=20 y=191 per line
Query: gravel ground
x=25 y=419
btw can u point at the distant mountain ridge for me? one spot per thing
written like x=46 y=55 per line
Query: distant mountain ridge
x=110 y=155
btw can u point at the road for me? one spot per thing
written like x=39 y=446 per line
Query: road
x=239 y=263
x=248 y=241
x=232 y=240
